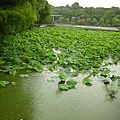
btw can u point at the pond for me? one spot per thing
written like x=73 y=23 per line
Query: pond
x=38 y=98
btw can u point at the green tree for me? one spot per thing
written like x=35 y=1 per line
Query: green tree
x=115 y=22
x=62 y=20
x=117 y=16
x=78 y=18
x=75 y=5
x=67 y=6
x=67 y=20
x=81 y=21
x=44 y=13
x=88 y=21
x=94 y=21
x=88 y=13
x=19 y=15
x=108 y=22
x=16 y=17
x=101 y=22
x=73 y=20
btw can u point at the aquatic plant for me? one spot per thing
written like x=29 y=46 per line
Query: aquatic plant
x=66 y=48
x=79 y=49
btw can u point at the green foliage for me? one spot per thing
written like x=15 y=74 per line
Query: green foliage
x=24 y=75
x=71 y=82
x=111 y=81
x=17 y=16
x=116 y=22
x=62 y=75
x=64 y=86
x=94 y=21
x=66 y=48
x=13 y=83
x=75 y=5
x=4 y=83
x=43 y=12
x=101 y=22
x=88 y=21
x=38 y=68
x=107 y=71
x=108 y=22
x=115 y=78
x=73 y=49
x=81 y=22
x=73 y=20
x=67 y=20
x=16 y=19
x=62 y=20
x=91 y=15
x=112 y=90
x=1 y=62
x=87 y=80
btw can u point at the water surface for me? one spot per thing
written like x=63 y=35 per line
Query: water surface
x=38 y=98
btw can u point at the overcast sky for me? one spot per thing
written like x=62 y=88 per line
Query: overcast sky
x=87 y=3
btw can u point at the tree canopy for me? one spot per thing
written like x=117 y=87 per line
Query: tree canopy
x=19 y=15
x=89 y=15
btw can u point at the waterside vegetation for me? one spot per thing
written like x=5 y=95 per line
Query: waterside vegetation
x=70 y=50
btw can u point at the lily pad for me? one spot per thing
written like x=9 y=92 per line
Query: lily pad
x=38 y=68
x=63 y=87
x=12 y=72
x=71 y=82
x=4 y=83
x=29 y=66
x=86 y=80
x=24 y=75
x=106 y=71
x=114 y=78
x=62 y=75
x=13 y=83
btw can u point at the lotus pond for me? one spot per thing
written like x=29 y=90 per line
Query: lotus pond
x=60 y=73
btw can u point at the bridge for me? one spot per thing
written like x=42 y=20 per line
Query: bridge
x=55 y=16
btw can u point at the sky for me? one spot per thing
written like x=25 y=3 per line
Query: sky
x=87 y=3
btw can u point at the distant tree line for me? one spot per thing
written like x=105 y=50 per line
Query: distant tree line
x=19 y=15
x=76 y=14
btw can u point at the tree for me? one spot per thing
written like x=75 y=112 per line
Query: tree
x=67 y=6
x=91 y=12
x=100 y=14
x=117 y=16
x=67 y=20
x=88 y=21
x=115 y=22
x=109 y=15
x=75 y=5
x=19 y=15
x=16 y=16
x=94 y=21
x=44 y=13
x=73 y=20
x=78 y=18
x=101 y=22
x=107 y=22
x=81 y=22
x=62 y=20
